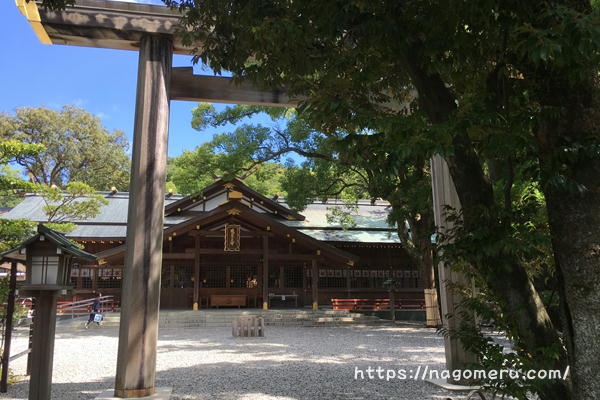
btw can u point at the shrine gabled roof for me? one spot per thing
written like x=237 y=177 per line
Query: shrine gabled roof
x=250 y=195
x=241 y=212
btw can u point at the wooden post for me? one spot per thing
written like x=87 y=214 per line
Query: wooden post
x=281 y=277
x=196 y=272
x=444 y=194
x=265 y=266
x=8 y=325
x=94 y=278
x=348 y=282
x=31 y=326
x=42 y=353
x=392 y=304
x=315 y=285
x=138 y=332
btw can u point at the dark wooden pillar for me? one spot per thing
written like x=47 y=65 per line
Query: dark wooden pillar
x=196 y=272
x=281 y=277
x=94 y=278
x=315 y=285
x=265 y=277
x=138 y=332
x=8 y=326
x=348 y=282
x=42 y=351
x=392 y=304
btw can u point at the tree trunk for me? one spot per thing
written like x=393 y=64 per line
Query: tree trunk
x=422 y=237
x=421 y=256
x=574 y=222
x=574 y=218
x=515 y=290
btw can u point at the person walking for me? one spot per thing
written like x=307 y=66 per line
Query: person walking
x=95 y=310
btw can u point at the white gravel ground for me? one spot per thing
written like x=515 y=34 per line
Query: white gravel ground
x=290 y=363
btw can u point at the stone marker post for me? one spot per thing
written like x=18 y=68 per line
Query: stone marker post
x=138 y=332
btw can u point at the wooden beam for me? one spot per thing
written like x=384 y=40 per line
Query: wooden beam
x=223 y=252
x=272 y=256
x=180 y=256
x=290 y=257
x=106 y=24
x=218 y=89
x=219 y=234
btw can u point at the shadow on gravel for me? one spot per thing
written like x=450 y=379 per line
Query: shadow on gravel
x=258 y=381
x=288 y=364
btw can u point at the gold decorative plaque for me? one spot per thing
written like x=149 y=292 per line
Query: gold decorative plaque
x=232 y=237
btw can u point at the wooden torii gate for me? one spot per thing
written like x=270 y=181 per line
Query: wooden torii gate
x=150 y=30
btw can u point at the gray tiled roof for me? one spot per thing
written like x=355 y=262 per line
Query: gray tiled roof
x=114 y=212
x=362 y=236
x=367 y=216
x=370 y=220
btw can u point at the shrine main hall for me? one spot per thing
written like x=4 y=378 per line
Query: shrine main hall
x=230 y=246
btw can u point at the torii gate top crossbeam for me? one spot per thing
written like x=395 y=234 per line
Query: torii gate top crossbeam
x=120 y=25
x=102 y=23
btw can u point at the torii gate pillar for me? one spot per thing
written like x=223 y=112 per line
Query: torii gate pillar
x=138 y=332
x=444 y=194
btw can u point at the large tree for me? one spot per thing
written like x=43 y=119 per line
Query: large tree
x=195 y=169
x=497 y=73
x=333 y=166
x=77 y=147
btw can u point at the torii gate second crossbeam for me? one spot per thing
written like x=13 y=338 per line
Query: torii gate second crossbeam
x=150 y=30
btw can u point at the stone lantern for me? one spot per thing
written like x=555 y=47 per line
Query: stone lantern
x=48 y=263
x=48 y=256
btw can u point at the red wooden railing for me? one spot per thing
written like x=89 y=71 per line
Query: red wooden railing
x=107 y=304
x=377 y=304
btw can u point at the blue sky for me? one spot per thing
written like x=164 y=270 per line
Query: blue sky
x=102 y=81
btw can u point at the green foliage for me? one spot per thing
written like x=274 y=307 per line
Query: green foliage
x=14 y=232
x=11 y=150
x=343 y=215
x=72 y=146
x=319 y=180
x=57 y=4
x=10 y=182
x=78 y=201
x=195 y=169
x=494 y=352
x=248 y=147
x=487 y=253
